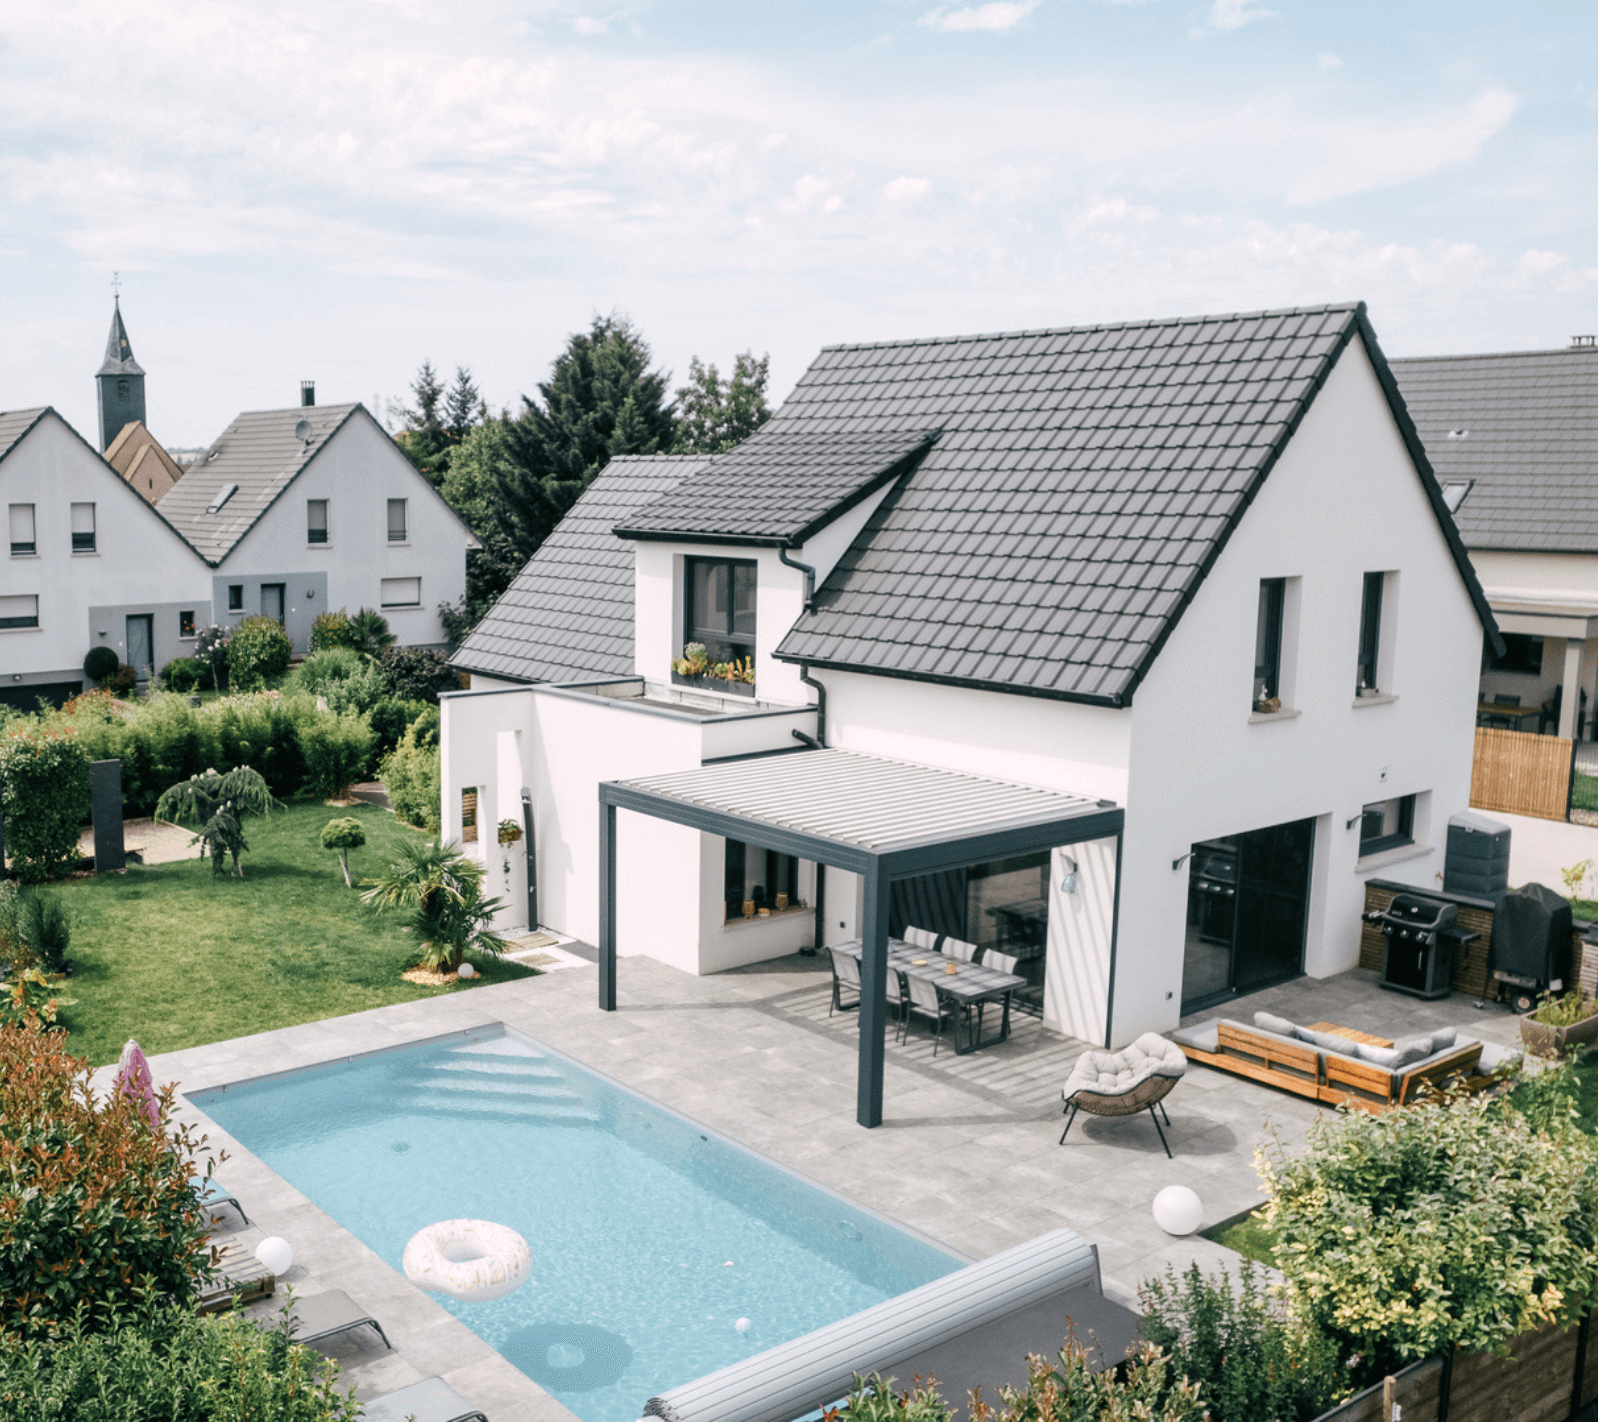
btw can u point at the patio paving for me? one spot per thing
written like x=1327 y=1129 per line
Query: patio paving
x=967 y=1153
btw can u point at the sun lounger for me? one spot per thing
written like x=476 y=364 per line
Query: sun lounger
x=240 y=1275
x=210 y=1194
x=318 y=1317
x=431 y=1400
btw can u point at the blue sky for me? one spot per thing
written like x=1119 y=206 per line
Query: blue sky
x=335 y=190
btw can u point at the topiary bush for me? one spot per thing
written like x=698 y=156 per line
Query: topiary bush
x=257 y=652
x=99 y=664
x=411 y=775
x=96 y=1207
x=337 y=750
x=331 y=629
x=183 y=674
x=341 y=836
x=44 y=795
x=417 y=673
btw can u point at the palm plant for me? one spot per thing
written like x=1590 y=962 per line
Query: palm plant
x=218 y=805
x=369 y=633
x=443 y=890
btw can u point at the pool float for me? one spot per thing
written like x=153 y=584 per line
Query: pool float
x=470 y=1260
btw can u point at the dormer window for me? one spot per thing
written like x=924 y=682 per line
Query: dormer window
x=720 y=608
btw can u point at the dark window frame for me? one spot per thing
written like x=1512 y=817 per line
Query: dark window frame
x=1366 y=677
x=313 y=534
x=10 y=623
x=1268 y=640
x=722 y=643
x=403 y=533
x=235 y=597
x=85 y=542
x=186 y=623
x=781 y=877
x=1372 y=816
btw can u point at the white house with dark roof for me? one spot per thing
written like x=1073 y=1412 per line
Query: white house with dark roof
x=315 y=507
x=88 y=563
x=1193 y=579
x=1513 y=438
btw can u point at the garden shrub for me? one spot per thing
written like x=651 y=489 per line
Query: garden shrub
x=1250 y=1358
x=391 y=719
x=99 y=664
x=163 y=1362
x=337 y=750
x=321 y=670
x=417 y=673
x=122 y=680
x=96 y=1208
x=411 y=775
x=1450 y=1222
x=262 y=730
x=183 y=674
x=35 y=928
x=331 y=629
x=427 y=728
x=257 y=652
x=162 y=741
x=210 y=648
x=341 y=836
x=44 y=790
x=369 y=633
x=217 y=805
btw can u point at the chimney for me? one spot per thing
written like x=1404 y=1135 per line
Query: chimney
x=307 y=392
x=1584 y=343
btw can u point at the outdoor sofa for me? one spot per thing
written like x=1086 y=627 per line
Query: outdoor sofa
x=1326 y=1066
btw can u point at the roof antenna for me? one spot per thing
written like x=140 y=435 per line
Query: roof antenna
x=303 y=432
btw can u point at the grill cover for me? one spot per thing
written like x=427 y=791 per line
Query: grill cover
x=1531 y=935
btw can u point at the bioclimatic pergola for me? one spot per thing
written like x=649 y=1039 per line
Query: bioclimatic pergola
x=880 y=818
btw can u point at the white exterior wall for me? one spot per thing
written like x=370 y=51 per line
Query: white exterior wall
x=1343 y=500
x=139 y=564
x=357 y=472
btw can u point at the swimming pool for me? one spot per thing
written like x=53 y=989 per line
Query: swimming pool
x=651 y=1235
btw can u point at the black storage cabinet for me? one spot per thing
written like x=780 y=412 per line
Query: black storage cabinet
x=1476 y=863
x=1532 y=931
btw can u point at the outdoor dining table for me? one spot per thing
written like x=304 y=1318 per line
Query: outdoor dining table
x=971 y=984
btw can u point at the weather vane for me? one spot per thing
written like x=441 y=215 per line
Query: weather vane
x=116 y=286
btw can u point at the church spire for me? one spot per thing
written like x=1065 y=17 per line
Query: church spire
x=120 y=380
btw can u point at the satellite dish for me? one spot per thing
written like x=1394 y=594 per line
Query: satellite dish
x=302 y=431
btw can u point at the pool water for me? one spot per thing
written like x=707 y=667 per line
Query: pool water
x=651 y=1237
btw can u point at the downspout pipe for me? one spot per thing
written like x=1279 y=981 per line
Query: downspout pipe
x=532 y=860
x=815 y=742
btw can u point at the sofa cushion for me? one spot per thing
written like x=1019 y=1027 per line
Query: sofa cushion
x=1376 y=1056
x=1331 y=1042
x=1425 y=1061
x=1444 y=1038
x=1269 y=1022
x=1116 y=1073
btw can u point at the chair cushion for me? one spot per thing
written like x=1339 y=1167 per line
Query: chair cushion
x=1116 y=1073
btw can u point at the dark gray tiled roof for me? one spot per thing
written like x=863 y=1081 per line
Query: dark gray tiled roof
x=569 y=614
x=260 y=454
x=779 y=486
x=1083 y=483
x=1530 y=443
x=16 y=423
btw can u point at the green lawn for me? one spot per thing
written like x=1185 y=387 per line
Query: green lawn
x=1249 y=1236
x=175 y=958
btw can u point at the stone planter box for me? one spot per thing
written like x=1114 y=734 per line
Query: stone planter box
x=1548 y=1041
x=714 y=683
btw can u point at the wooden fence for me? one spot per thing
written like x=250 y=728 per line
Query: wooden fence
x=1517 y=773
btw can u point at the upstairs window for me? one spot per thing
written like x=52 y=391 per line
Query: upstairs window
x=1370 y=635
x=23 y=538
x=396 y=520
x=720 y=608
x=19 y=611
x=1268 y=645
x=316 y=520
x=83 y=528
x=1387 y=824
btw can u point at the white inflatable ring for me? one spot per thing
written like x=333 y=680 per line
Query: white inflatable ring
x=471 y=1260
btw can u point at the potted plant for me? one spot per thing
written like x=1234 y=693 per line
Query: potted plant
x=1559 y=1023
x=509 y=833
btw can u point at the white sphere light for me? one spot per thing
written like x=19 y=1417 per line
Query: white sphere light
x=466 y=970
x=743 y=1325
x=1178 y=1210
x=275 y=1254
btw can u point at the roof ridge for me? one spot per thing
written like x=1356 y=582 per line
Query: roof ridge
x=1349 y=306
x=1498 y=355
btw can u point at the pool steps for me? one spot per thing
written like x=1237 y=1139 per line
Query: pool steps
x=501 y=1078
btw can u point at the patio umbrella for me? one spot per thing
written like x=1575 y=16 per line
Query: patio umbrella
x=133 y=1079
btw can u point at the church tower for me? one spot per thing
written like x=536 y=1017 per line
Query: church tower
x=121 y=382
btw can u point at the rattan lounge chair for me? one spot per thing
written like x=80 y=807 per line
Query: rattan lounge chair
x=431 y=1400
x=1125 y=1083
x=318 y=1317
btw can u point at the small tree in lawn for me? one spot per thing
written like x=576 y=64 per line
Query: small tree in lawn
x=443 y=889
x=342 y=836
x=218 y=805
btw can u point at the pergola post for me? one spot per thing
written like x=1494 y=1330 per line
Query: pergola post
x=873 y=996
x=607 y=906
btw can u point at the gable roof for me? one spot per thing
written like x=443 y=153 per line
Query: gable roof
x=136 y=454
x=779 y=486
x=569 y=613
x=16 y=423
x=1529 y=446
x=1085 y=482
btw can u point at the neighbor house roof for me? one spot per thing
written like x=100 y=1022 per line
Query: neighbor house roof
x=569 y=614
x=1522 y=430
x=137 y=456
x=1084 y=482
x=779 y=486
x=16 y=423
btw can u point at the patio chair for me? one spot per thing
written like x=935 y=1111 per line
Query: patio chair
x=1004 y=962
x=318 y=1317
x=922 y=938
x=924 y=1000
x=1125 y=1083
x=208 y=1193
x=845 y=978
x=431 y=1400
x=955 y=948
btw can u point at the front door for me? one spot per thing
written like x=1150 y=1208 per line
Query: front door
x=272 y=601
x=1248 y=907
x=141 y=645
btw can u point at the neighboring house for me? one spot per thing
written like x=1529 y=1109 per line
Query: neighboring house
x=89 y=564
x=1198 y=571
x=315 y=507
x=1514 y=441
x=138 y=457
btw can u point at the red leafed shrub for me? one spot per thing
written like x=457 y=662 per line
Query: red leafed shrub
x=96 y=1207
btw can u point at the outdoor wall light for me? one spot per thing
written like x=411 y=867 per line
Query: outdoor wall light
x=1180 y=860
x=310 y=592
x=1068 y=883
x=1357 y=818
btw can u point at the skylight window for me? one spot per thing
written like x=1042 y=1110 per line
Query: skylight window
x=1454 y=494
x=228 y=491
x=1459 y=434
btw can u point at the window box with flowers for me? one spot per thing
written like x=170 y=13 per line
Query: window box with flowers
x=694 y=668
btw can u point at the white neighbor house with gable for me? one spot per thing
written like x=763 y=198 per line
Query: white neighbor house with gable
x=1200 y=569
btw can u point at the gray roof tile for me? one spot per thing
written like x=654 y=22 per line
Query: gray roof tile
x=569 y=613
x=16 y=423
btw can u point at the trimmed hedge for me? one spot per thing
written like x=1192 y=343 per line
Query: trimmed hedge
x=44 y=796
x=99 y=664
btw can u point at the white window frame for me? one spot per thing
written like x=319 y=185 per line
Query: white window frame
x=311 y=527
x=14 y=615
x=24 y=547
x=404 y=524
x=388 y=584
x=83 y=514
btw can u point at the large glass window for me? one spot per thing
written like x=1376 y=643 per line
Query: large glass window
x=720 y=608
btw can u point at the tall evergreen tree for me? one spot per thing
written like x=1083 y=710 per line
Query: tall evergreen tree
x=463 y=406
x=715 y=414
x=439 y=420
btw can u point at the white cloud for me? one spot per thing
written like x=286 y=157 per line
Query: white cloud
x=906 y=189
x=591 y=25
x=996 y=17
x=1234 y=14
x=1325 y=60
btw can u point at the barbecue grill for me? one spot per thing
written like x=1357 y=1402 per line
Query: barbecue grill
x=1421 y=938
x=1531 y=945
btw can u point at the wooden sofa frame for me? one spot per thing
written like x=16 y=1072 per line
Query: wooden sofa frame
x=1325 y=1076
